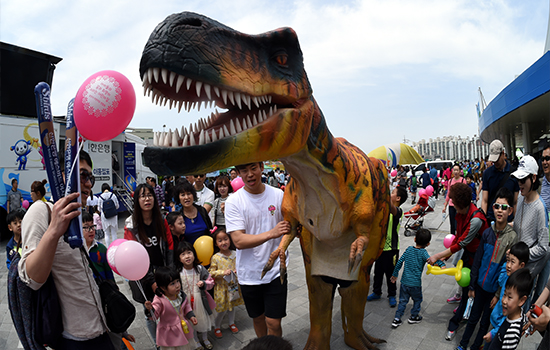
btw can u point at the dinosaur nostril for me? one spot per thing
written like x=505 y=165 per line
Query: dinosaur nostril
x=311 y=222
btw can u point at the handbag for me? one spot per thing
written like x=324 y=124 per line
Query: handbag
x=233 y=289
x=119 y=311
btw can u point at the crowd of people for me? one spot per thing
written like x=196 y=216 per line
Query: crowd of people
x=498 y=215
x=503 y=241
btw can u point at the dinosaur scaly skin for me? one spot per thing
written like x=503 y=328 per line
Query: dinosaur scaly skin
x=338 y=195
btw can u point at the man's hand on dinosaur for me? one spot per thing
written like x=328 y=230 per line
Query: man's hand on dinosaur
x=282 y=228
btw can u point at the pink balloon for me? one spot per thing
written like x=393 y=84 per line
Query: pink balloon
x=104 y=105
x=448 y=240
x=25 y=204
x=111 y=251
x=132 y=260
x=237 y=183
x=421 y=192
x=429 y=190
x=393 y=173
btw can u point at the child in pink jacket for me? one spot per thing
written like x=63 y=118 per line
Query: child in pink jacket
x=173 y=311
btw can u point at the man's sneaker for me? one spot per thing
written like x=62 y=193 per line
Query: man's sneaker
x=396 y=323
x=392 y=301
x=459 y=348
x=450 y=335
x=415 y=319
x=373 y=296
x=454 y=299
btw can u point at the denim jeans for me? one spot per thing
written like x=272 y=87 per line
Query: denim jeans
x=406 y=293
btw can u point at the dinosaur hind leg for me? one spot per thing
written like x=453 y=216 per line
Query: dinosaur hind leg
x=354 y=299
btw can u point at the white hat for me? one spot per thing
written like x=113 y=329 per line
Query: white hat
x=495 y=149
x=527 y=165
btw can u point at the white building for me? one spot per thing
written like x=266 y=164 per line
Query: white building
x=452 y=148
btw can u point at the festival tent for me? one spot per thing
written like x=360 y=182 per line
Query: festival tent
x=396 y=153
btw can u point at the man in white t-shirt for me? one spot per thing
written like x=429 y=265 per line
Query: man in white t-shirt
x=205 y=196
x=255 y=222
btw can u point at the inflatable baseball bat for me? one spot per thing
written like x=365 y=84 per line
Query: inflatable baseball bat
x=456 y=271
x=73 y=236
x=47 y=138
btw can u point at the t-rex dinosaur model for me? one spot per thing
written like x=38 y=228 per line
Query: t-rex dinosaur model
x=337 y=194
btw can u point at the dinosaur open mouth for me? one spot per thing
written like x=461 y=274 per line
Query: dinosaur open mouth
x=244 y=111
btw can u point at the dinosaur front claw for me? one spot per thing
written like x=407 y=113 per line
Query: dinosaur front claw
x=356 y=253
x=354 y=263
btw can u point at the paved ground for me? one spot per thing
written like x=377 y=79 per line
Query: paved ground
x=429 y=334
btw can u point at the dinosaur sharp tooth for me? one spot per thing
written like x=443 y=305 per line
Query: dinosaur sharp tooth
x=264 y=115
x=232 y=128
x=207 y=136
x=270 y=111
x=150 y=75
x=182 y=133
x=164 y=75
x=255 y=100
x=254 y=120
x=168 y=138
x=224 y=96
x=238 y=99
x=231 y=97
x=214 y=136
x=225 y=132
x=145 y=89
x=185 y=141
x=199 y=107
x=189 y=81
x=269 y=98
x=238 y=126
x=177 y=133
x=192 y=140
x=217 y=91
x=191 y=129
x=248 y=122
x=145 y=79
x=180 y=103
x=175 y=139
x=246 y=100
x=275 y=109
x=221 y=133
x=201 y=138
x=198 y=86
x=170 y=104
x=156 y=72
x=179 y=82
x=196 y=127
x=155 y=139
x=172 y=78
x=207 y=90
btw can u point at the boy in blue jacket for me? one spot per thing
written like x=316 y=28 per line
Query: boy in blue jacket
x=488 y=262
x=515 y=260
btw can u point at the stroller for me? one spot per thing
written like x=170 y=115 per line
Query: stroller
x=415 y=216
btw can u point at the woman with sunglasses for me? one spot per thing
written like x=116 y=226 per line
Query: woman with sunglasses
x=531 y=219
x=148 y=227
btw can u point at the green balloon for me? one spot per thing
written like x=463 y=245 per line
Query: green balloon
x=465 y=279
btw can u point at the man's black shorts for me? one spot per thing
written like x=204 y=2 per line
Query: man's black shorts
x=268 y=299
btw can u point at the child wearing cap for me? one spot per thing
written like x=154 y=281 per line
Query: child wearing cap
x=531 y=220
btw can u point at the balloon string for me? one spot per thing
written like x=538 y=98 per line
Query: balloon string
x=143 y=292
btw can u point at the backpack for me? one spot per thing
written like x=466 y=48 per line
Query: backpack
x=36 y=315
x=109 y=207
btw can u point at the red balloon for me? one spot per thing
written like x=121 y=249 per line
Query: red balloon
x=237 y=183
x=104 y=105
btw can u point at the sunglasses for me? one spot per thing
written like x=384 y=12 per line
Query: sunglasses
x=522 y=181
x=545 y=158
x=501 y=206
x=85 y=175
x=199 y=175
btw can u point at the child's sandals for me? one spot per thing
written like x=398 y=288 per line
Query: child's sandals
x=233 y=328
x=218 y=333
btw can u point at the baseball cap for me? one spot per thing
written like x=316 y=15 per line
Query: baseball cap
x=527 y=165
x=495 y=149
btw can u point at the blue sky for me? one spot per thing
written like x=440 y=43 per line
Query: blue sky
x=381 y=70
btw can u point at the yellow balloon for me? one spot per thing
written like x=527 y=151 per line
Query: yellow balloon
x=204 y=246
x=456 y=271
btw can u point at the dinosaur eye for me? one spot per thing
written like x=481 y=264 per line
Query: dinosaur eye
x=281 y=59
